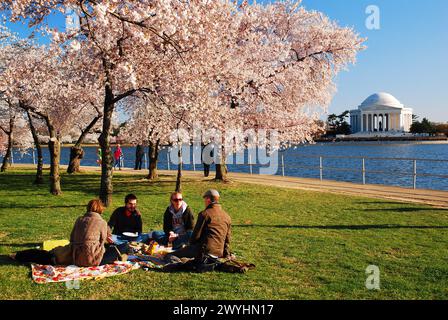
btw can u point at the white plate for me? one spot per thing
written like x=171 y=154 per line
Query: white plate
x=130 y=234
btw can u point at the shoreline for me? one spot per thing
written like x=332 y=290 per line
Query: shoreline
x=415 y=140
x=435 y=198
x=338 y=141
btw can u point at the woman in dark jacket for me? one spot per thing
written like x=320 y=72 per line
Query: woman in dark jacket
x=178 y=223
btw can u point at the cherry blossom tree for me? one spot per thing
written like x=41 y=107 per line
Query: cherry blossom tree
x=35 y=123
x=148 y=125
x=249 y=66
x=289 y=57
x=88 y=123
x=49 y=86
x=12 y=126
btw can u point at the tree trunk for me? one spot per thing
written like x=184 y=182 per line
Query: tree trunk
x=221 y=172
x=76 y=152
x=7 y=157
x=153 y=152
x=179 y=172
x=221 y=168
x=40 y=161
x=54 y=146
x=106 y=187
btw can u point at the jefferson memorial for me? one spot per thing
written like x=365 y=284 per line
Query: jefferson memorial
x=381 y=112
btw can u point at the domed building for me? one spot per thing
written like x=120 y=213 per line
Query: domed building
x=381 y=112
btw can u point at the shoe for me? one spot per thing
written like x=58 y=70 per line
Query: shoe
x=124 y=257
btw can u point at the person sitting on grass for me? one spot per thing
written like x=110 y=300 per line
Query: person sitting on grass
x=127 y=219
x=89 y=244
x=178 y=222
x=90 y=239
x=211 y=235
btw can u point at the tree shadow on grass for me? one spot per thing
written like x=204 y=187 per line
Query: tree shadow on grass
x=49 y=206
x=340 y=227
x=380 y=202
x=404 y=210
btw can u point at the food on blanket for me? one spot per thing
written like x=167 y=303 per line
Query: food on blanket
x=146 y=249
x=152 y=247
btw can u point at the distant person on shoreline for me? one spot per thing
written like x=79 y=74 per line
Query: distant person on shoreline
x=118 y=154
x=100 y=156
x=139 y=154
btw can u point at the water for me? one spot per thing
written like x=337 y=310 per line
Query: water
x=304 y=162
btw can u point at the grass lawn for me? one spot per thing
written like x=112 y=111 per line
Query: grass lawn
x=306 y=245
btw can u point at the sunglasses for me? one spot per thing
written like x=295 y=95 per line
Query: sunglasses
x=177 y=199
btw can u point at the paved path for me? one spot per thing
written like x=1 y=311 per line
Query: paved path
x=430 y=197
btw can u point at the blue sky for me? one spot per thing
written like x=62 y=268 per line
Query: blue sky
x=405 y=57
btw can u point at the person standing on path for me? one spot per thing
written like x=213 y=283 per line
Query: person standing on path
x=139 y=154
x=100 y=156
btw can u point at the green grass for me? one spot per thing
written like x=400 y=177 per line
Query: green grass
x=305 y=245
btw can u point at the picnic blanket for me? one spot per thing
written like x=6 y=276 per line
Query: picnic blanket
x=51 y=244
x=146 y=257
x=45 y=273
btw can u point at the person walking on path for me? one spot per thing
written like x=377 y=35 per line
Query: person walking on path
x=118 y=154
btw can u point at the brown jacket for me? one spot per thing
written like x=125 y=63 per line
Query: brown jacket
x=213 y=231
x=88 y=238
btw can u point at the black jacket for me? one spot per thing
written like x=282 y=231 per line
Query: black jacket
x=121 y=223
x=187 y=218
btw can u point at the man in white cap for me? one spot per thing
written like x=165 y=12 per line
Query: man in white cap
x=212 y=232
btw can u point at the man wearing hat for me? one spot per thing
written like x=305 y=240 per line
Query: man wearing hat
x=211 y=234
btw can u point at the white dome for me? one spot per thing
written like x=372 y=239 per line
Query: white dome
x=381 y=99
